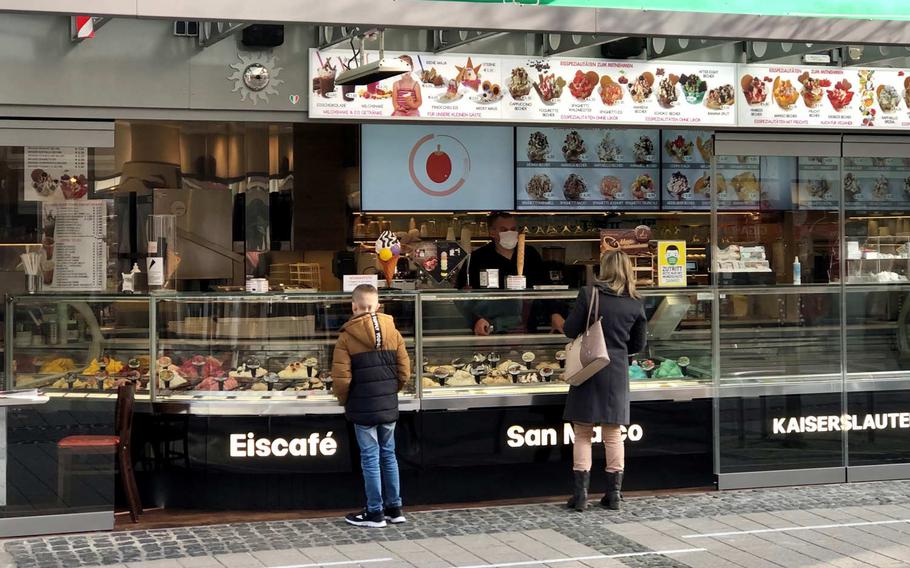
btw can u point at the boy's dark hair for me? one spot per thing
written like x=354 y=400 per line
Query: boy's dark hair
x=496 y=215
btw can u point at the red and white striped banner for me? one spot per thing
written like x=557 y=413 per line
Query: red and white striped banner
x=85 y=27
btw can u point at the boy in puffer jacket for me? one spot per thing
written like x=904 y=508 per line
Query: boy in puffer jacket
x=370 y=365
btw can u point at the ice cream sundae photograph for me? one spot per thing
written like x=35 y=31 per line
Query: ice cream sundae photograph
x=324 y=82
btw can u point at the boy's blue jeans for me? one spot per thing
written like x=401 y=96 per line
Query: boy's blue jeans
x=380 y=466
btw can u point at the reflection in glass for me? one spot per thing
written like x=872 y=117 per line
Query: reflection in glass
x=87 y=347
x=777 y=220
x=782 y=336
x=878 y=332
x=521 y=356
x=248 y=348
x=877 y=202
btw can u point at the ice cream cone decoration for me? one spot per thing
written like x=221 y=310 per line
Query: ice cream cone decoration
x=388 y=249
x=388 y=268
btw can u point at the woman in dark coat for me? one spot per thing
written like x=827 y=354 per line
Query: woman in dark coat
x=604 y=398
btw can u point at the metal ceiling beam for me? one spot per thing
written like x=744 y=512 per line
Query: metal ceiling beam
x=211 y=33
x=555 y=44
x=330 y=36
x=444 y=40
x=763 y=52
x=667 y=47
x=859 y=55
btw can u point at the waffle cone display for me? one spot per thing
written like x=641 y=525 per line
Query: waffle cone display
x=388 y=268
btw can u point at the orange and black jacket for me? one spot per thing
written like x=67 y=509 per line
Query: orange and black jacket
x=370 y=365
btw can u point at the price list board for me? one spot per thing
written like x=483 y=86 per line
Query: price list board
x=76 y=257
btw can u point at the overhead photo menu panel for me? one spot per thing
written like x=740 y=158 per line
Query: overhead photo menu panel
x=823 y=97
x=819 y=187
x=620 y=92
x=506 y=88
x=586 y=169
x=686 y=165
x=876 y=184
x=519 y=89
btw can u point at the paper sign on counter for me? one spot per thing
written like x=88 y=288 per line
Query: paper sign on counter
x=671 y=264
x=351 y=281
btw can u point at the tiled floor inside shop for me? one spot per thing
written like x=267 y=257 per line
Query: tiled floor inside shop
x=865 y=524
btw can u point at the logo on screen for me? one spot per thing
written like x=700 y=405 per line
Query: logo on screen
x=439 y=164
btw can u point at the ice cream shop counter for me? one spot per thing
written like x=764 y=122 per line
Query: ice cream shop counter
x=235 y=400
x=270 y=354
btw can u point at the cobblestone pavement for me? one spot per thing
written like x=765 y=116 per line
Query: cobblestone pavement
x=736 y=528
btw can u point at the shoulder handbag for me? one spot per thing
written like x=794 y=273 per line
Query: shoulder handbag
x=587 y=354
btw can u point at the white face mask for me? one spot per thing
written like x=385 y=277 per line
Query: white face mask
x=508 y=239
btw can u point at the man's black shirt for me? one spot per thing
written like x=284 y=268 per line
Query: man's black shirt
x=486 y=257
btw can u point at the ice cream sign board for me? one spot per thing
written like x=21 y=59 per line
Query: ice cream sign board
x=461 y=87
x=490 y=88
x=823 y=97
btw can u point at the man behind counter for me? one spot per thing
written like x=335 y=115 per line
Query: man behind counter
x=501 y=254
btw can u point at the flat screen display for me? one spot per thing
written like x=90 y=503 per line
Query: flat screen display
x=592 y=169
x=437 y=168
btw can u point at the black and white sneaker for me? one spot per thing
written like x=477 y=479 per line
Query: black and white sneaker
x=366 y=519
x=394 y=515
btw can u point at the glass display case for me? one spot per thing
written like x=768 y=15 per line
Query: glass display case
x=78 y=346
x=215 y=350
x=784 y=334
x=521 y=361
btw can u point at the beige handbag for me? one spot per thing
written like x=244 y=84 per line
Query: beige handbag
x=587 y=354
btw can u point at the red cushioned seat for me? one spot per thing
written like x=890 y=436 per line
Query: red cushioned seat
x=89 y=442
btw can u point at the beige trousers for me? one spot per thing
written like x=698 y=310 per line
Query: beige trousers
x=612 y=438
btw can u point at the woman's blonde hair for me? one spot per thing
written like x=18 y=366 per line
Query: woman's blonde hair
x=617 y=274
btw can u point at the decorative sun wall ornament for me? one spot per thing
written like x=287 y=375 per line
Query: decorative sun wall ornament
x=255 y=76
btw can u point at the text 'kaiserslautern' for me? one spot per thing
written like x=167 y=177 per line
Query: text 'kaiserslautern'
x=847 y=422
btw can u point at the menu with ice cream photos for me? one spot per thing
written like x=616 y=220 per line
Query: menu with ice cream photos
x=439 y=87
x=823 y=97
x=453 y=86
x=620 y=92
x=517 y=89
x=686 y=167
x=876 y=184
x=587 y=169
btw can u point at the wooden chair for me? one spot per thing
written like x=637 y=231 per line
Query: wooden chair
x=71 y=447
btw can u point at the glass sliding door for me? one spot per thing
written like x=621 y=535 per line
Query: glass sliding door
x=778 y=314
x=876 y=179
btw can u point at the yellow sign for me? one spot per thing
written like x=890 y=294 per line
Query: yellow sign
x=671 y=264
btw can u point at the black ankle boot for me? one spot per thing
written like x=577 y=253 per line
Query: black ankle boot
x=579 y=498
x=613 y=496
